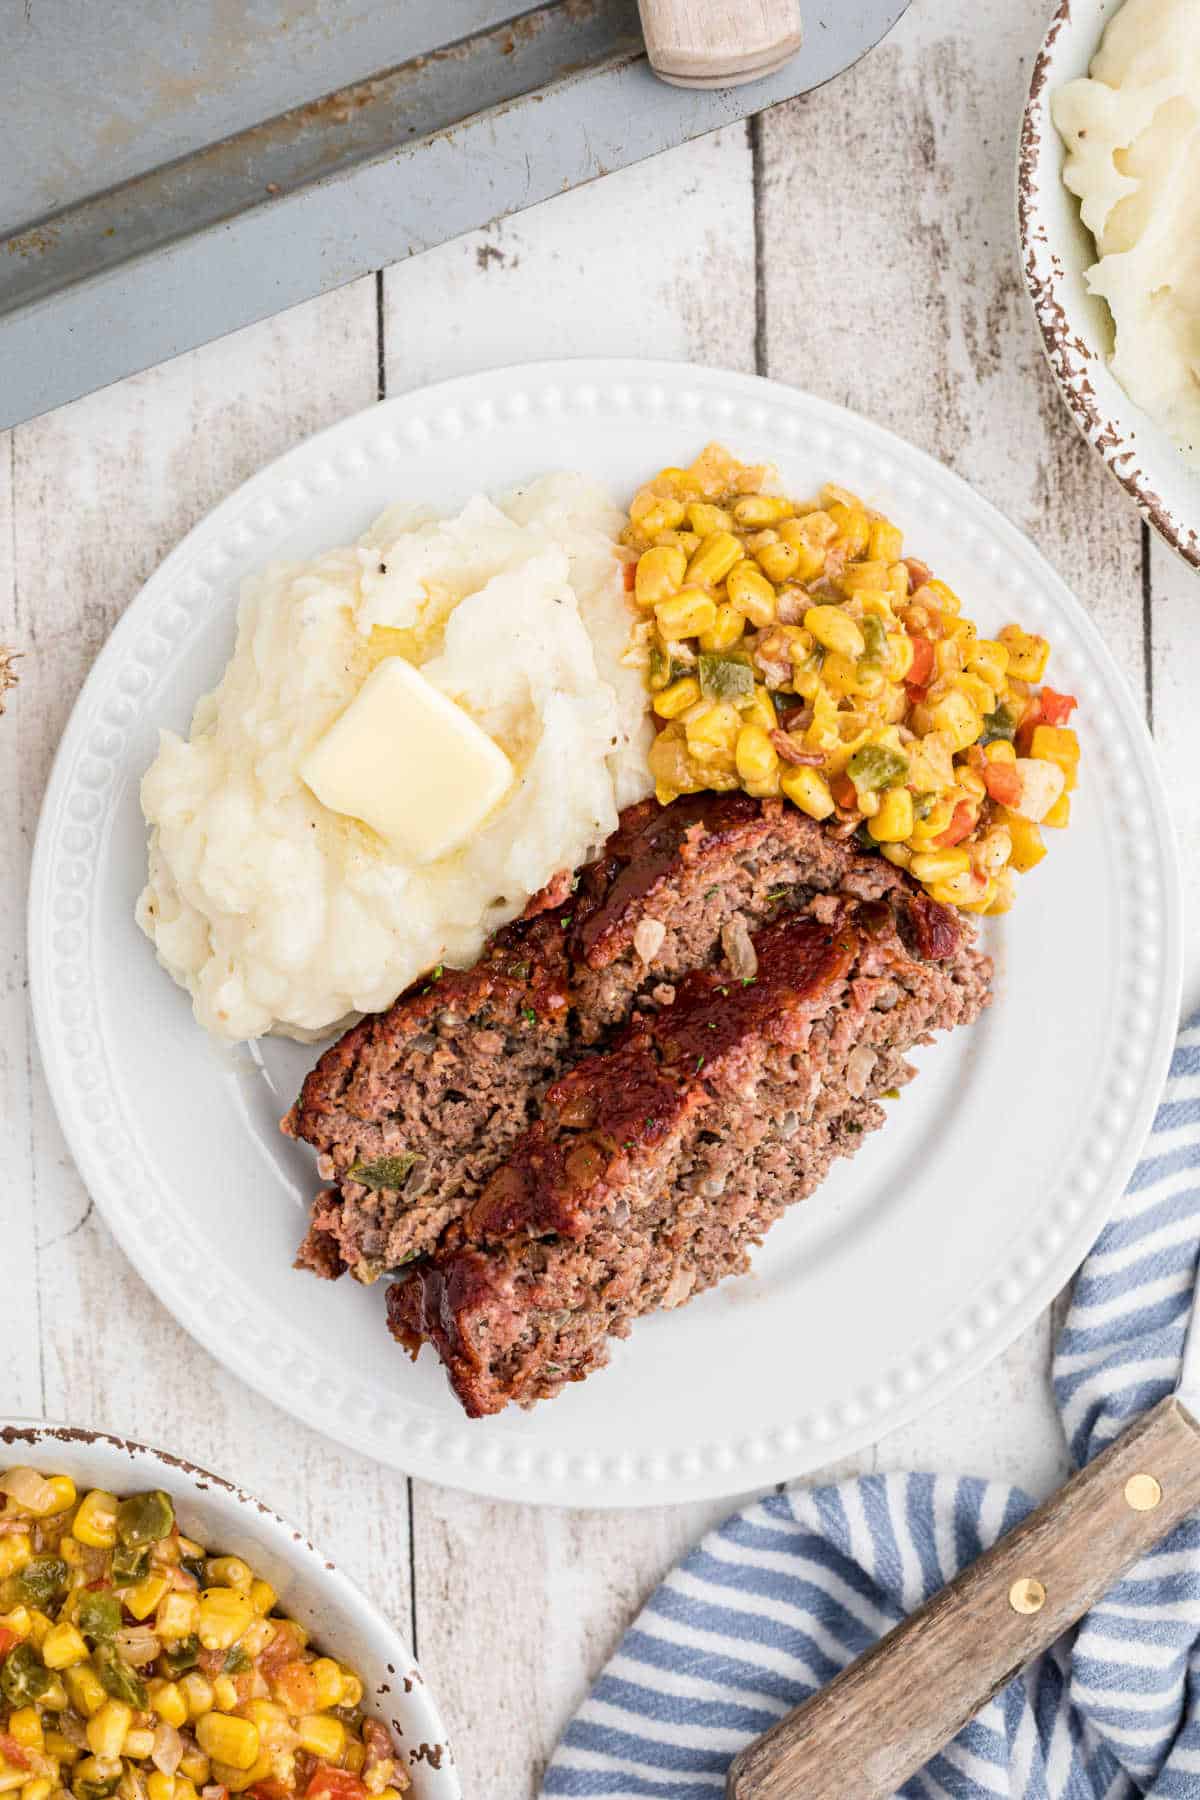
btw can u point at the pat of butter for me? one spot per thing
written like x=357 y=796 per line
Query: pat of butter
x=409 y=763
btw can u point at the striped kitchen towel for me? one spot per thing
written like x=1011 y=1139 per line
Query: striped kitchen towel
x=783 y=1595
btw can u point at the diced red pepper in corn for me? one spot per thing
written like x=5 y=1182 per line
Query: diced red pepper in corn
x=962 y=824
x=1002 y=782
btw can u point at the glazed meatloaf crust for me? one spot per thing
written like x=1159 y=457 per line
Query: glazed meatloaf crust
x=412 y=1109
x=653 y=1168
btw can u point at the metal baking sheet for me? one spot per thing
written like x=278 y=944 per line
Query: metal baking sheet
x=172 y=169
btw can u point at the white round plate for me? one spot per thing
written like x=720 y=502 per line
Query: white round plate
x=1076 y=327
x=336 y=1613
x=911 y=1268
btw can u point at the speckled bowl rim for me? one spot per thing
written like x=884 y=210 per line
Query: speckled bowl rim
x=291 y=1545
x=1060 y=333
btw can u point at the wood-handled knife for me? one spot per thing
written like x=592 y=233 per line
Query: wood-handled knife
x=719 y=43
x=885 y=1716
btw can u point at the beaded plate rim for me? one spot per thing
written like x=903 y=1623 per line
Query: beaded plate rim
x=104 y=1140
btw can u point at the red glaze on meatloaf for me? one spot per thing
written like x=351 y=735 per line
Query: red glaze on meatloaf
x=412 y=1110
x=654 y=1168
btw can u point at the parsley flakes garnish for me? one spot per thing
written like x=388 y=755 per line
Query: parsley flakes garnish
x=529 y=1016
x=777 y=895
x=699 y=1064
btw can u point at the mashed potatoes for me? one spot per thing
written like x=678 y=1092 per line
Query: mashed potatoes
x=279 y=915
x=1133 y=135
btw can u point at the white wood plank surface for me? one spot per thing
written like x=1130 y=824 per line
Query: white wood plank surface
x=858 y=242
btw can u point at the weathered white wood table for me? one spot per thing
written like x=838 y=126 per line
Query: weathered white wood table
x=859 y=243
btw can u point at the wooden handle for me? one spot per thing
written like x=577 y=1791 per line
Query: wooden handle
x=719 y=43
x=883 y=1718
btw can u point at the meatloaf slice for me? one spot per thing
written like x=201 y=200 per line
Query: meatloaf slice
x=654 y=1169
x=412 y=1110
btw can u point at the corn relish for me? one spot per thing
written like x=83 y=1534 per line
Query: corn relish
x=135 y=1663
x=791 y=649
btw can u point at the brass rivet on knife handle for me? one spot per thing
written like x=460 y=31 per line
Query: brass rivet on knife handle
x=1027 y=1595
x=882 y=1719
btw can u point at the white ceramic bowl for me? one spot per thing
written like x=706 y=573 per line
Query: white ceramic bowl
x=221 y=1516
x=1076 y=327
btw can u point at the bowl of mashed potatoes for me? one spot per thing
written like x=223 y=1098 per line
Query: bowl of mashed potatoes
x=414 y=732
x=1109 y=210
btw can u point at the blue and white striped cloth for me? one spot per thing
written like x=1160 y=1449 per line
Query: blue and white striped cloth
x=783 y=1595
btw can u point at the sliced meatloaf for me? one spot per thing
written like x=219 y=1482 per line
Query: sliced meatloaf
x=654 y=1168
x=412 y=1110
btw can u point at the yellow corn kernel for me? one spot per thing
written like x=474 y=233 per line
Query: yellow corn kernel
x=177 y=1615
x=16 y=1621
x=840 y=675
x=139 y=1742
x=71 y=1551
x=894 y=820
x=940 y=865
x=726 y=629
x=228 y=1740
x=197 y=1693
x=262 y=1596
x=194 y=1766
x=1057 y=744
x=899 y=655
x=143 y=1596
x=62 y=1647
x=686 y=615
x=687 y=541
x=39 y=1789
x=25 y=1725
x=40 y=1628
x=947 y=656
x=751 y=593
x=714 y=728
x=55 y=1697
x=95 y=1523
x=1059 y=815
x=231 y=1571
x=322 y=1736
x=987 y=658
x=864 y=578
x=107 y=1728
x=885 y=541
x=761 y=710
x=328 y=1677
x=1028 y=654
x=853 y=526
x=810 y=555
x=956 y=719
x=900 y=854
x=755 y=510
x=160 y=1786
x=15 y=1551
x=61 y=1749
x=352 y=1688
x=981 y=696
x=944 y=598
x=714 y=559
x=168 y=1702
x=355 y=1756
x=659 y=575
x=705 y=518
x=970 y=785
x=223 y=1616
x=256 y=1637
x=835 y=630
x=1000 y=750
x=270 y=1720
x=677 y=698
x=1028 y=847
x=809 y=790
x=83 y=1686
x=238 y=1780
x=781 y=562
x=971 y=891
x=652 y=513
x=757 y=759
x=225 y=1694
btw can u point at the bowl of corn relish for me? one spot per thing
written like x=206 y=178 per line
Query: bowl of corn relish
x=792 y=647
x=164 y=1636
